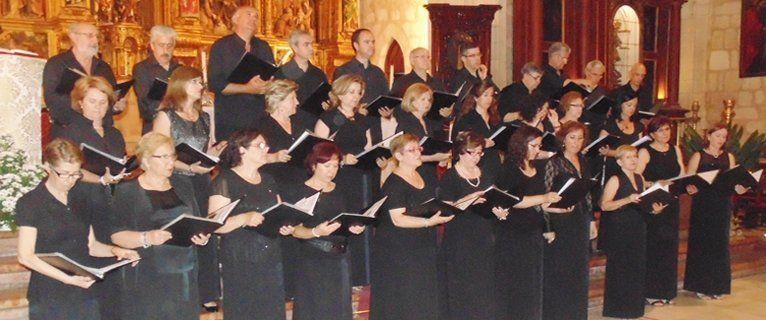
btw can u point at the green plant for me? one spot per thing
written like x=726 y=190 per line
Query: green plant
x=17 y=177
x=747 y=152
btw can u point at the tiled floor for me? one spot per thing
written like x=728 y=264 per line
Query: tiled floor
x=747 y=302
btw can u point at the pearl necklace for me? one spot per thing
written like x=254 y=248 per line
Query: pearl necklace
x=478 y=179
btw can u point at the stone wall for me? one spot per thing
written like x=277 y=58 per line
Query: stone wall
x=407 y=22
x=710 y=64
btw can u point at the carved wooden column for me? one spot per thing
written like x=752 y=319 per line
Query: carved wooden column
x=447 y=21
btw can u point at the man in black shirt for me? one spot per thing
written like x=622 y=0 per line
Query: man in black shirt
x=635 y=86
x=81 y=57
x=237 y=106
x=511 y=95
x=375 y=80
x=160 y=64
x=554 y=78
x=299 y=69
x=472 y=72
x=420 y=59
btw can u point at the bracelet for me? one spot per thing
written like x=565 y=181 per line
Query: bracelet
x=144 y=243
x=314 y=233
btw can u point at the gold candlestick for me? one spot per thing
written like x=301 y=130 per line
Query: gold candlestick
x=695 y=118
x=728 y=110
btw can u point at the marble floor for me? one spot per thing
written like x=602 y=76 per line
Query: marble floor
x=746 y=302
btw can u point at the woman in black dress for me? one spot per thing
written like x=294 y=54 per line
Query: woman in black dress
x=281 y=128
x=251 y=261
x=164 y=284
x=522 y=233
x=708 y=264
x=467 y=249
x=479 y=114
x=623 y=123
x=404 y=282
x=415 y=106
x=565 y=277
x=323 y=286
x=659 y=161
x=624 y=238
x=352 y=134
x=537 y=113
x=56 y=217
x=92 y=97
x=181 y=117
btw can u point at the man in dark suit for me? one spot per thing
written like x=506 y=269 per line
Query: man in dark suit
x=160 y=64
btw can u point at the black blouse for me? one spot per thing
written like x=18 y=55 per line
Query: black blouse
x=350 y=133
x=81 y=131
x=517 y=183
x=612 y=128
x=277 y=137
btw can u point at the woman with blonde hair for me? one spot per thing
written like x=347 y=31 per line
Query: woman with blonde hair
x=164 y=284
x=56 y=217
x=415 y=106
x=404 y=282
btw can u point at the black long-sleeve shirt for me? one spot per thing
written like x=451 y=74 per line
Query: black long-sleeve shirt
x=374 y=78
x=307 y=82
x=144 y=74
x=402 y=83
x=59 y=105
x=234 y=111
x=551 y=82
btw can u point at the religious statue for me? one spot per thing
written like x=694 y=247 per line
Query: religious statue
x=350 y=15
x=217 y=13
x=105 y=12
x=303 y=17
x=285 y=23
x=188 y=7
x=126 y=10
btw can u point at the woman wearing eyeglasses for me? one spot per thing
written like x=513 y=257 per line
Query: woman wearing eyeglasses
x=565 y=288
x=521 y=236
x=467 y=250
x=56 y=216
x=404 y=280
x=181 y=117
x=251 y=260
x=164 y=284
x=573 y=106
x=479 y=114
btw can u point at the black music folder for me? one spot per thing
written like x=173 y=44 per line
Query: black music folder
x=70 y=266
x=313 y=104
x=574 y=190
x=382 y=101
x=367 y=159
x=643 y=142
x=592 y=149
x=442 y=100
x=550 y=142
x=569 y=88
x=699 y=180
x=500 y=198
x=189 y=155
x=250 y=66
x=286 y=214
x=364 y=217
x=738 y=175
x=502 y=135
x=657 y=193
x=71 y=75
x=302 y=147
x=601 y=105
x=185 y=226
x=431 y=145
x=101 y=159
x=430 y=207
x=158 y=89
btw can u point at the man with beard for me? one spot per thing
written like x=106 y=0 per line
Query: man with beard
x=237 y=106
x=160 y=64
x=81 y=57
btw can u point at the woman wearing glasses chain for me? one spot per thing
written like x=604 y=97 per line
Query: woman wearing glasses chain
x=56 y=217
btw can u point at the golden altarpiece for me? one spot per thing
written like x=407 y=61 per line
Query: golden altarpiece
x=40 y=26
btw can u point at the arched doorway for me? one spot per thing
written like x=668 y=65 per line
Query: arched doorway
x=627 y=46
x=395 y=58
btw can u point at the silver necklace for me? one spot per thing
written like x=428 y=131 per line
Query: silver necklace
x=478 y=179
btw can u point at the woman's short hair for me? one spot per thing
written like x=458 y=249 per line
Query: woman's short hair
x=467 y=140
x=570 y=127
x=277 y=91
x=623 y=150
x=62 y=150
x=518 y=144
x=321 y=153
x=397 y=144
x=176 y=95
x=149 y=143
x=230 y=156
x=413 y=93
x=656 y=123
x=567 y=99
x=342 y=85
x=85 y=83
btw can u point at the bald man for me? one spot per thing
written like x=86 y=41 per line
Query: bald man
x=82 y=57
x=237 y=106
x=635 y=86
x=420 y=59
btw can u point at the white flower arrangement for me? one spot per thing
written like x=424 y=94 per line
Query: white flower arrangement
x=17 y=177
